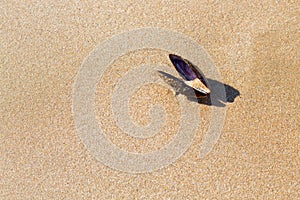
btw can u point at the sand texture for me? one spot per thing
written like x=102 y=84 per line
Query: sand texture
x=45 y=153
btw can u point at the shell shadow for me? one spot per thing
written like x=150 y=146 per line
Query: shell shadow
x=181 y=88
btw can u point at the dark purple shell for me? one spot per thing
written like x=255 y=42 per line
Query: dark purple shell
x=186 y=69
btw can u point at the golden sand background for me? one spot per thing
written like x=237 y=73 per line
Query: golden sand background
x=255 y=46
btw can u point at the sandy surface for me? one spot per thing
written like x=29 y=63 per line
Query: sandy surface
x=255 y=47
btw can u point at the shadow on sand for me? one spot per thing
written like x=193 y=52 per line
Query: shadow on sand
x=218 y=100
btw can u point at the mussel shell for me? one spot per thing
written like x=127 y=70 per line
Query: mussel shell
x=187 y=70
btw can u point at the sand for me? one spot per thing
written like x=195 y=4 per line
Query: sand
x=253 y=45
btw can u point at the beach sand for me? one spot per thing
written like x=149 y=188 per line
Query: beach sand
x=255 y=47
